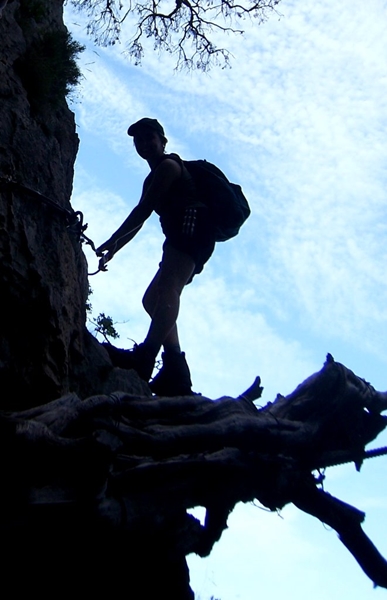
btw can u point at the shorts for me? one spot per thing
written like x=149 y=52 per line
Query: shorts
x=190 y=232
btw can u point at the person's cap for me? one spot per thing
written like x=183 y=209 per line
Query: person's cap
x=148 y=124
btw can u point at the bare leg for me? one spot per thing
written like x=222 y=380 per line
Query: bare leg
x=150 y=302
x=162 y=298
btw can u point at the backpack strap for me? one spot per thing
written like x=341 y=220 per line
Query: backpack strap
x=194 y=200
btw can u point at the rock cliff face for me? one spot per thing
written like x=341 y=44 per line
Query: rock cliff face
x=45 y=349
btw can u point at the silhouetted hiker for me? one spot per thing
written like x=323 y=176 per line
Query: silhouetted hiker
x=168 y=190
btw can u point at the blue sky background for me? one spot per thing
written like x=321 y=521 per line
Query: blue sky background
x=300 y=122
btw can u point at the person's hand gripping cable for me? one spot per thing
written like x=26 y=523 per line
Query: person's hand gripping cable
x=105 y=253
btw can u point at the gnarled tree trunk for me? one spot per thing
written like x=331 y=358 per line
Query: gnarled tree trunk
x=114 y=475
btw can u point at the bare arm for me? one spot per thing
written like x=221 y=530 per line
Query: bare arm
x=165 y=174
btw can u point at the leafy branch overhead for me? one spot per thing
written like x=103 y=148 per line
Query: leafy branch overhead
x=104 y=325
x=183 y=27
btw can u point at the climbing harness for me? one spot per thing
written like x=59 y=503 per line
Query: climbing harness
x=74 y=218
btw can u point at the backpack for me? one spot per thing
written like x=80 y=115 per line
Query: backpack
x=227 y=204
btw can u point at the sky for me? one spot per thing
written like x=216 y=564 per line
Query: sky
x=299 y=120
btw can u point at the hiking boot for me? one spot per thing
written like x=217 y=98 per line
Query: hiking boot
x=174 y=378
x=140 y=358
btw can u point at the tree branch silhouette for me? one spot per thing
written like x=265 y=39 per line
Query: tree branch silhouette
x=185 y=28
